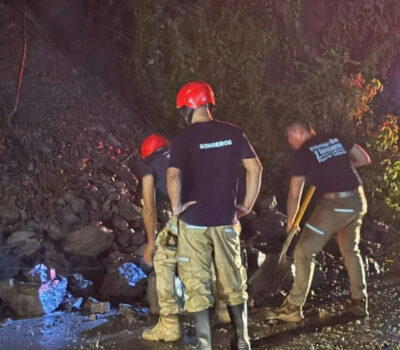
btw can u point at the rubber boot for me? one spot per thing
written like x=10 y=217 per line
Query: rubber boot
x=238 y=314
x=167 y=329
x=202 y=323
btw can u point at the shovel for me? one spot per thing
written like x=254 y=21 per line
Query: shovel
x=275 y=268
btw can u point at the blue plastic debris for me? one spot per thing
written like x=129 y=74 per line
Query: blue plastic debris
x=39 y=273
x=142 y=310
x=52 y=293
x=132 y=273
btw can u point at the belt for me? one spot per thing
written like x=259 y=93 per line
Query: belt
x=345 y=194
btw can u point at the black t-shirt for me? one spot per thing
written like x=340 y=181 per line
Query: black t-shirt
x=209 y=155
x=325 y=163
x=156 y=165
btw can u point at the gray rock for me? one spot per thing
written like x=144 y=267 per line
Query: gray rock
x=91 y=240
x=96 y=307
x=124 y=284
x=120 y=223
x=129 y=211
x=53 y=230
x=77 y=205
x=32 y=242
x=66 y=216
x=33 y=299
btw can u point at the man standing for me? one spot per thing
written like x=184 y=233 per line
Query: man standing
x=327 y=162
x=204 y=168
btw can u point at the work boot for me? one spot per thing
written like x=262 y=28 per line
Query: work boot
x=286 y=312
x=221 y=311
x=202 y=323
x=238 y=314
x=357 y=307
x=167 y=329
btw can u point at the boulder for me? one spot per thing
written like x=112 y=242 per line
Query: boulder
x=90 y=240
x=127 y=282
x=33 y=299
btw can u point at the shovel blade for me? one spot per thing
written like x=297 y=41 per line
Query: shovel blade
x=270 y=276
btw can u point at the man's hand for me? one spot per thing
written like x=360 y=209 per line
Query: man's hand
x=181 y=208
x=148 y=254
x=241 y=210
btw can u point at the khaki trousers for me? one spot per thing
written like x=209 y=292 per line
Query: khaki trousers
x=343 y=216
x=198 y=248
x=165 y=267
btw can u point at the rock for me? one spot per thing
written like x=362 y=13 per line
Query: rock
x=79 y=286
x=128 y=210
x=126 y=283
x=77 y=205
x=127 y=310
x=53 y=230
x=120 y=223
x=33 y=299
x=32 y=242
x=96 y=307
x=91 y=240
x=66 y=216
x=138 y=238
x=70 y=303
x=9 y=212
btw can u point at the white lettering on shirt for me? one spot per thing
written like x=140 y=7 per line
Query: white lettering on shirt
x=324 y=151
x=217 y=144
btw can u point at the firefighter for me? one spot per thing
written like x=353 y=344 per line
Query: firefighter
x=204 y=166
x=329 y=163
x=152 y=169
x=155 y=153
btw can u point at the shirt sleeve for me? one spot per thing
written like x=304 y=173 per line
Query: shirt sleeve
x=245 y=148
x=178 y=153
x=347 y=142
x=140 y=169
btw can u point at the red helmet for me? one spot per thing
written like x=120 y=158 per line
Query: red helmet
x=153 y=143
x=194 y=94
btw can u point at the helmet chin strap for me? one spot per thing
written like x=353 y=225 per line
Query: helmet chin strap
x=187 y=113
x=189 y=117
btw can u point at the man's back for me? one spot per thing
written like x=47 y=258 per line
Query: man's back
x=209 y=155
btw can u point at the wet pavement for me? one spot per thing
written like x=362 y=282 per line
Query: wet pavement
x=325 y=327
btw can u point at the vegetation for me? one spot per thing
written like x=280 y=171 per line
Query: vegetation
x=265 y=64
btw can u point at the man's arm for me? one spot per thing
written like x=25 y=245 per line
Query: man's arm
x=358 y=156
x=149 y=216
x=253 y=182
x=293 y=201
x=174 y=185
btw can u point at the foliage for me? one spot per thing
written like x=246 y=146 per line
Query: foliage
x=382 y=179
x=256 y=57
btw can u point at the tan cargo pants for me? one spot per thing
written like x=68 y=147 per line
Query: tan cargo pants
x=165 y=267
x=344 y=216
x=198 y=248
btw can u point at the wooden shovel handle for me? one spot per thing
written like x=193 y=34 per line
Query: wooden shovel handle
x=304 y=206
x=296 y=223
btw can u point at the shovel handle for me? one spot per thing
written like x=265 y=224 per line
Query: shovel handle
x=304 y=206
x=296 y=223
